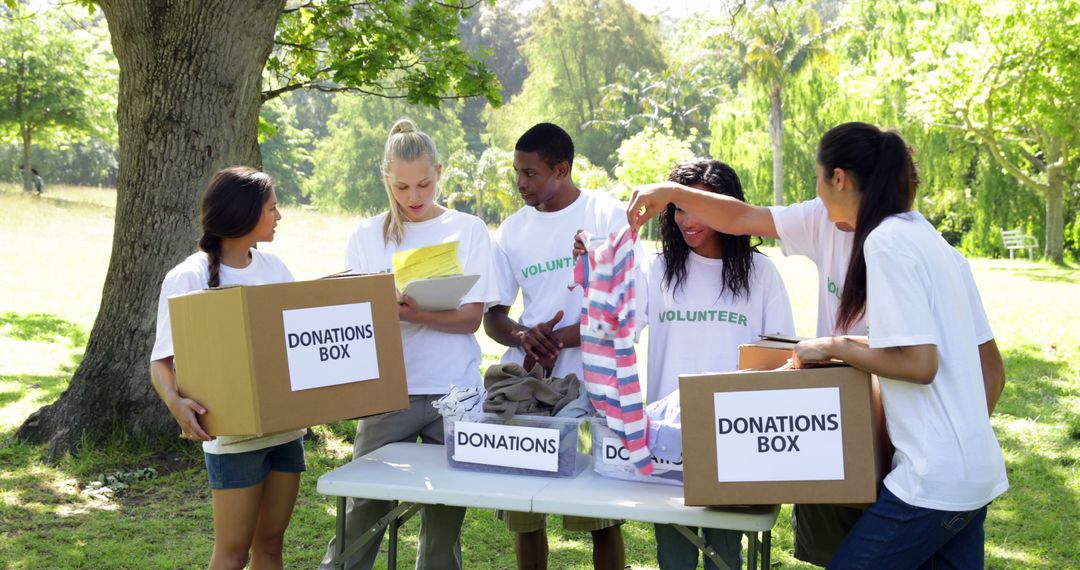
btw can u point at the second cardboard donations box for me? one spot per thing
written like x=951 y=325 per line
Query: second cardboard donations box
x=270 y=358
x=768 y=436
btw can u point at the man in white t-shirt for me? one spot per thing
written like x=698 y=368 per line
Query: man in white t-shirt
x=803 y=229
x=533 y=254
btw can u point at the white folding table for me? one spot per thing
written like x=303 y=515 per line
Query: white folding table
x=412 y=475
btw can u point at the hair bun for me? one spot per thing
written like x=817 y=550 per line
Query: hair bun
x=403 y=126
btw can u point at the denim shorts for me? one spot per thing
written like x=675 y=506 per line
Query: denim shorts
x=238 y=470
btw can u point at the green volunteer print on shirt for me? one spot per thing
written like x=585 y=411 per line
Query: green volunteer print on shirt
x=547 y=266
x=833 y=288
x=704 y=316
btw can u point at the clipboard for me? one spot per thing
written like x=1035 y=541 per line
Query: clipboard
x=440 y=293
x=777 y=337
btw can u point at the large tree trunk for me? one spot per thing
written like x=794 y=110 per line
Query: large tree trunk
x=1055 y=218
x=190 y=75
x=776 y=136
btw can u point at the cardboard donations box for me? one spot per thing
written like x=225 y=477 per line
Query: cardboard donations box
x=270 y=358
x=782 y=436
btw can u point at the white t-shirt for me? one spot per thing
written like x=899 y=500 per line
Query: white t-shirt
x=533 y=253
x=805 y=229
x=694 y=329
x=433 y=359
x=192 y=275
x=920 y=291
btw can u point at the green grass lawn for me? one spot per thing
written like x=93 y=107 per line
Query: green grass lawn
x=54 y=256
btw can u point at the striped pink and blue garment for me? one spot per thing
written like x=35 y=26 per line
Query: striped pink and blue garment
x=608 y=331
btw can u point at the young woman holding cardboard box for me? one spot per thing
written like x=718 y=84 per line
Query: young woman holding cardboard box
x=804 y=229
x=254 y=481
x=440 y=347
x=926 y=323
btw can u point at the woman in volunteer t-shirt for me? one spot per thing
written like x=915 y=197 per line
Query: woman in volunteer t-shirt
x=925 y=326
x=439 y=346
x=803 y=229
x=254 y=481
x=702 y=296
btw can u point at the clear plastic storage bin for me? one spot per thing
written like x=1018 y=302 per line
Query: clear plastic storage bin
x=523 y=445
x=610 y=459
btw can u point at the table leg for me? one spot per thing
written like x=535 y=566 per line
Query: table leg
x=391 y=555
x=751 y=550
x=702 y=546
x=339 y=530
x=394 y=519
x=766 y=550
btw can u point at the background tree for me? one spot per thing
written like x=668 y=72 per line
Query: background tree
x=775 y=40
x=286 y=149
x=483 y=185
x=1014 y=86
x=498 y=31
x=649 y=157
x=565 y=76
x=53 y=84
x=348 y=161
x=679 y=100
x=289 y=127
x=189 y=100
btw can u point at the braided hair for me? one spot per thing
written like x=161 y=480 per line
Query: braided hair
x=231 y=207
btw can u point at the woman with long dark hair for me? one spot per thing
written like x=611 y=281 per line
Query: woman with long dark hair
x=254 y=481
x=804 y=229
x=702 y=296
x=926 y=324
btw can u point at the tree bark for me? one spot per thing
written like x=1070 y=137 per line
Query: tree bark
x=776 y=136
x=28 y=167
x=189 y=98
x=1054 y=240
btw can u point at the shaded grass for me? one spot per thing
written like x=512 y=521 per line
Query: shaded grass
x=42 y=327
x=1040 y=272
x=1037 y=522
x=167 y=522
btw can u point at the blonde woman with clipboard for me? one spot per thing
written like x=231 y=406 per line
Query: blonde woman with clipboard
x=440 y=347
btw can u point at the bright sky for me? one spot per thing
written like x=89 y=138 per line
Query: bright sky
x=674 y=8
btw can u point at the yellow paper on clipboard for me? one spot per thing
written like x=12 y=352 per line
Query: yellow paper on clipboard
x=426 y=262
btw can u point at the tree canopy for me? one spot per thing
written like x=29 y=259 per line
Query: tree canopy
x=54 y=83
x=565 y=79
x=1013 y=85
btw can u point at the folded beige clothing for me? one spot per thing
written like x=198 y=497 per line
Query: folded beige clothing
x=513 y=391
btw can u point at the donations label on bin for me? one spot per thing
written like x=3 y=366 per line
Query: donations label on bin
x=779 y=435
x=507 y=446
x=615 y=453
x=328 y=346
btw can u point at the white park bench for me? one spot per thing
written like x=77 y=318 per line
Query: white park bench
x=1015 y=239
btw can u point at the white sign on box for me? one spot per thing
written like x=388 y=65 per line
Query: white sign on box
x=615 y=453
x=328 y=346
x=779 y=435
x=507 y=446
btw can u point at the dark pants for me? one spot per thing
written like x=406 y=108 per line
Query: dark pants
x=820 y=530
x=440 y=525
x=894 y=534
